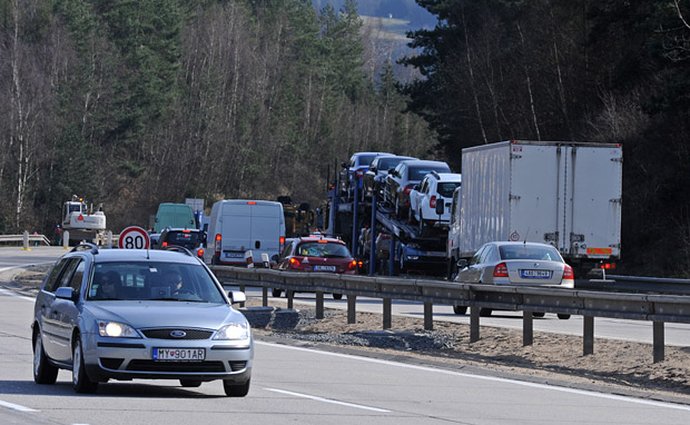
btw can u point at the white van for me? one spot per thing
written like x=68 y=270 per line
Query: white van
x=237 y=226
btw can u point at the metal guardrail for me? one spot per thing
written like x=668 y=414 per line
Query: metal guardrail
x=589 y=304
x=32 y=239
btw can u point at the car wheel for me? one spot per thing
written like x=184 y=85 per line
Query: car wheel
x=460 y=309
x=233 y=389
x=485 y=312
x=80 y=380
x=538 y=314
x=190 y=383
x=276 y=293
x=563 y=316
x=44 y=372
x=337 y=296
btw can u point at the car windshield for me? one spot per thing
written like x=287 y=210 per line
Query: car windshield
x=387 y=163
x=418 y=173
x=320 y=249
x=164 y=281
x=182 y=238
x=365 y=160
x=446 y=189
x=529 y=252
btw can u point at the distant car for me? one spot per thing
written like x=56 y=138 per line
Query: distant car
x=435 y=188
x=356 y=167
x=317 y=254
x=403 y=178
x=517 y=263
x=375 y=176
x=192 y=239
x=128 y=314
x=416 y=258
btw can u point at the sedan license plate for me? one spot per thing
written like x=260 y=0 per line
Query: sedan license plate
x=324 y=268
x=179 y=354
x=234 y=254
x=535 y=274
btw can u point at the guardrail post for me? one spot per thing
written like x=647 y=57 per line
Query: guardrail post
x=391 y=256
x=527 y=328
x=428 y=316
x=372 y=233
x=658 y=336
x=25 y=241
x=264 y=296
x=351 y=309
x=319 y=304
x=387 y=316
x=65 y=239
x=588 y=335
x=290 y=298
x=243 y=289
x=474 y=323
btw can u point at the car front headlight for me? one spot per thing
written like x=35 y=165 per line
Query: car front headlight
x=116 y=330
x=234 y=332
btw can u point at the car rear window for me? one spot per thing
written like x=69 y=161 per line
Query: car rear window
x=446 y=189
x=326 y=250
x=366 y=159
x=529 y=252
x=418 y=173
x=182 y=238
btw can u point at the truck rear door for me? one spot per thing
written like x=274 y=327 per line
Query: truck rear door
x=266 y=229
x=236 y=231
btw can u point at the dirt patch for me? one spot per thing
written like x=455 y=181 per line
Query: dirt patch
x=617 y=367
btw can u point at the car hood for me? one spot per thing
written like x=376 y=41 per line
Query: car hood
x=156 y=314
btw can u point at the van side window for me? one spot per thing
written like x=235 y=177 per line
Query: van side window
x=52 y=280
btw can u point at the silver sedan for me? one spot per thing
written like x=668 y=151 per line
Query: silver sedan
x=516 y=263
x=129 y=314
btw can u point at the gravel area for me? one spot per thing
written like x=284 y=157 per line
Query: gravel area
x=617 y=367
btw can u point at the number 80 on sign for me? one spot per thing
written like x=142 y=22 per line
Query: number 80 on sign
x=134 y=237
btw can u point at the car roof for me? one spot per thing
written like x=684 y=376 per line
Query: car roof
x=424 y=162
x=181 y=229
x=452 y=177
x=371 y=153
x=319 y=238
x=136 y=255
x=516 y=243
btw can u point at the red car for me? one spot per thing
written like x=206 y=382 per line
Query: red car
x=317 y=254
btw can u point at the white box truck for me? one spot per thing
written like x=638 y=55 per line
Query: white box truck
x=239 y=225
x=567 y=194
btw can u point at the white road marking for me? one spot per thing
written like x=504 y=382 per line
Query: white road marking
x=328 y=400
x=489 y=378
x=14 y=295
x=17 y=407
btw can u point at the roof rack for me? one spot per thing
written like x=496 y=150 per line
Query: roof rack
x=178 y=248
x=83 y=246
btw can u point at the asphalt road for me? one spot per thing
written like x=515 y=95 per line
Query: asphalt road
x=304 y=386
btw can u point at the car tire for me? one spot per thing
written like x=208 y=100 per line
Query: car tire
x=276 y=293
x=80 y=379
x=485 y=312
x=190 y=383
x=460 y=309
x=233 y=389
x=337 y=296
x=563 y=316
x=44 y=372
x=538 y=314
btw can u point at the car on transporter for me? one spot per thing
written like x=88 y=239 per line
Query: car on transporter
x=127 y=314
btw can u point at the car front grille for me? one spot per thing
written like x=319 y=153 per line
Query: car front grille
x=189 y=333
x=193 y=367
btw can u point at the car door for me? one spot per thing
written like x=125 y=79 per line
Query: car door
x=472 y=273
x=44 y=305
x=65 y=312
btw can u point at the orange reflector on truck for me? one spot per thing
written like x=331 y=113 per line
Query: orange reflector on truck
x=599 y=251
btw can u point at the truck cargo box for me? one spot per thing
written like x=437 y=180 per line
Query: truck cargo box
x=567 y=194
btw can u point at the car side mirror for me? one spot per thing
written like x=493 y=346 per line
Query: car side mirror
x=439 y=206
x=416 y=187
x=66 y=293
x=237 y=297
x=344 y=165
x=462 y=263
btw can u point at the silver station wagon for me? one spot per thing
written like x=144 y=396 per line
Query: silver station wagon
x=129 y=314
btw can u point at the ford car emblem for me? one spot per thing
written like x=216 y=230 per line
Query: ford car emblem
x=178 y=334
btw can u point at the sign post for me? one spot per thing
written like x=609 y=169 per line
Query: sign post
x=134 y=237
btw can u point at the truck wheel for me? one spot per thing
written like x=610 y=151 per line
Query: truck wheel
x=563 y=316
x=460 y=309
x=337 y=296
x=538 y=314
x=485 y=312
x=276 y=293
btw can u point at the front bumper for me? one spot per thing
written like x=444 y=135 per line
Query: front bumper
x=130 y=358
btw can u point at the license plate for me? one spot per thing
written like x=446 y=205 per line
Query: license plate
x=234 y=255
x=324 y=268
x=535 y=274
x=179 y=354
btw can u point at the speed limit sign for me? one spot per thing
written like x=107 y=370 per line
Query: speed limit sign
x=134 y=237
